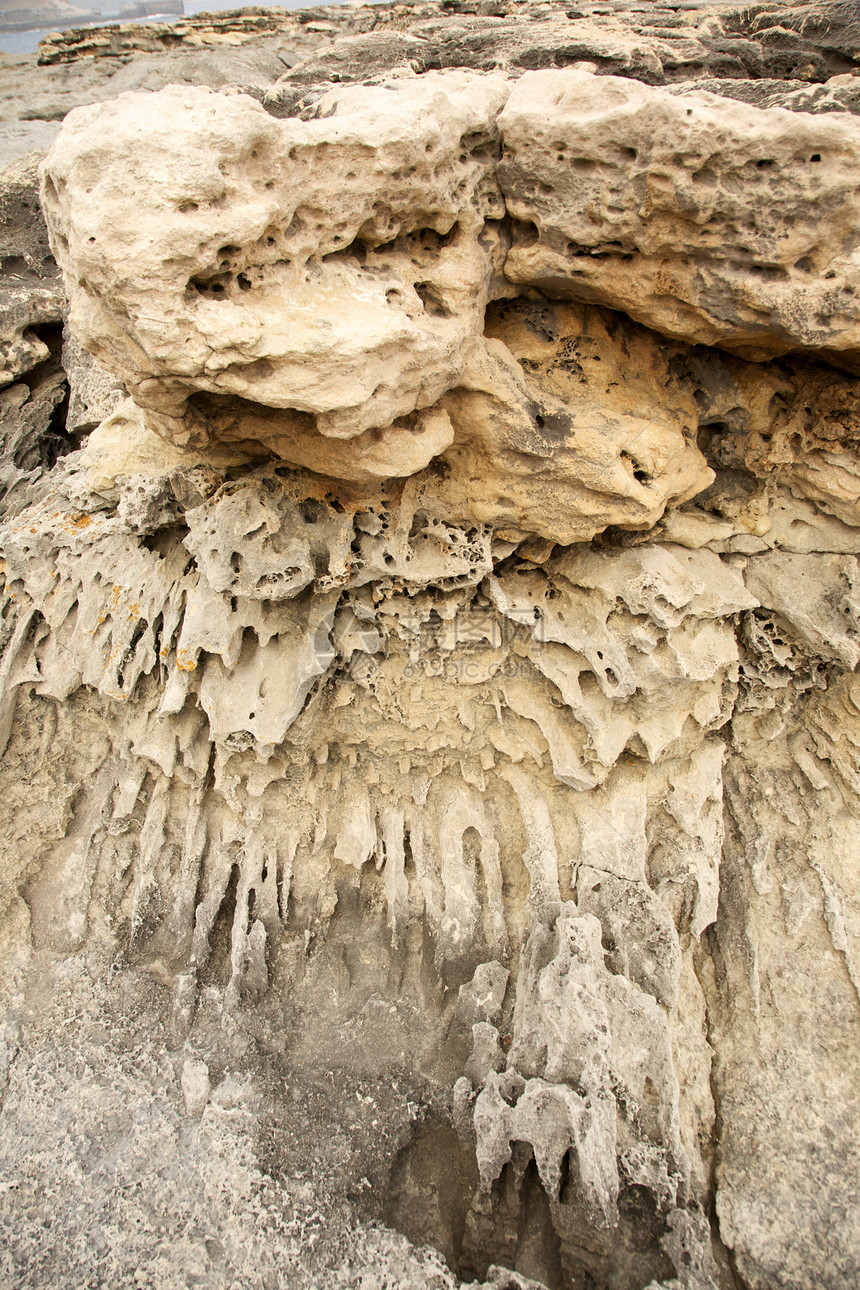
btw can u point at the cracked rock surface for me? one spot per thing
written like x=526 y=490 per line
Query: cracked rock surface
x=430 y=520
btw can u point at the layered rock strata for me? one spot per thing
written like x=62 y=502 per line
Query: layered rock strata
x=430 y=533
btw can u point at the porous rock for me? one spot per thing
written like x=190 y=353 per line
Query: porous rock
x=428 y=803
x=690 y=213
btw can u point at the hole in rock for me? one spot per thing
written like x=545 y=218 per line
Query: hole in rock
x=570 y=1176
x=640 y=1229
x=275 y=581
x=431 y=240
x=218 y=967
x=164 y=540
x=525 y=233
x=433 y=303
x=311 y=511
x=431 y=1186
x=770 y=272
x=216 y=286
x=704 y=176
x=259 y=370
x=481 y=146
x=136 y=637
x=518 y=1231
x=538 y=1248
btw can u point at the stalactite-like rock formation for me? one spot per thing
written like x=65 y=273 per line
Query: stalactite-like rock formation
x=430 y=790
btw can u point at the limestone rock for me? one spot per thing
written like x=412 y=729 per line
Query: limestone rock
x=396 y=332
x=425 y=278
x=631 y=197
x=117 y=58
x=31 y=294
x=194 y=31
x=30 y=445
x=429 y=779
x=815 y=594
x=93 y=395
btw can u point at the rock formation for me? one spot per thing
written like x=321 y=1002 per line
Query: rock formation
x=430 y=520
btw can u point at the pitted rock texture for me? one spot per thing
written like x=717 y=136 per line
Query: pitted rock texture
x=344 y=315
x=400 y=322
x=430 y=524
x=688 y=212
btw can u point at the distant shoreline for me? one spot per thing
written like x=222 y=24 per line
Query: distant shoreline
x=16 y=40
x=25 y=40
x=93 y=18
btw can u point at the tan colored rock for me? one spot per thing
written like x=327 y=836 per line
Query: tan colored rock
x=122 y=446
x=268 y=273
x=789 y=916
x=705 y=219
x=328 y=325
x=651 y=686
x=577 y=434
x=817 y=594
x=397 y=451
x=430 y=740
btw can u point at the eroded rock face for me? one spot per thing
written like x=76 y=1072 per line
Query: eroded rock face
x=686 y=212
x=272 y=269
x=277 y=303
x=427 y=678
x=32 y=298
